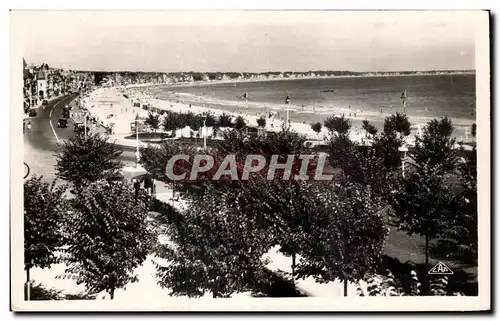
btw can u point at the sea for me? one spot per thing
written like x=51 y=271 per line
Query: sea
x=357 y=98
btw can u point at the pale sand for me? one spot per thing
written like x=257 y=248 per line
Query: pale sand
x=99 y=103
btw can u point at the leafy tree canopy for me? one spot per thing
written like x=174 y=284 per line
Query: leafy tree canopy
x=85 y=159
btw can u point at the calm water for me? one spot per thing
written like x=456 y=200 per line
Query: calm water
x=371 y=98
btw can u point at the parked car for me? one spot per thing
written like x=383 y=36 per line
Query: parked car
x=32 y=113
x=62 y=123
x=65 y=112
x=44 y=102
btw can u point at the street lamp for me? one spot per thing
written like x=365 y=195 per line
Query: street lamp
x=137 y=154
x=403 y=149
x=85 y=114
x=205 y=132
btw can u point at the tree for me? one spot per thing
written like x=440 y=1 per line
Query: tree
x=44 y=209
x=343 y=155
x=153 y=120
x=339 y=125
x=261 y=122
x=398 y=123
x=386 y=146
x=369 y=128
x=195 y=122
x=171 y=122
x=346 y=235
x=110 y=237
x=220 y=253
x=86 y=159
x=423 y=205
x=225 y=121
x=462 y=233
x=473 y=130
x=436 y=147
x=316 y=127
x=239 y=123
x=210 y=120
x=155 y=158
x=425 y=201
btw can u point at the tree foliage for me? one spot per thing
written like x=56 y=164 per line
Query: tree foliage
x=239 y=123
x=220 y=251
x=463 y=230
x=153 y=120
x=369 y=128
x=424 y=202
x=343 y=154
x=398 y=123
x=346 y=235
x=85 y=159
x=225 y=121
x=44 y=211
x=210 y=120
x=109 y=238
x=316 y=127
x=261 y=122
x=340 y=125
x=436 y=147
x=386 y=146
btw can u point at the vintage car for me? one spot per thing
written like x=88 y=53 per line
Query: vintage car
x=65 y=112
x=62 y=123
x=44 y=102
x=32 y=113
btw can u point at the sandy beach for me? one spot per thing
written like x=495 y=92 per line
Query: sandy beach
x=111 y=107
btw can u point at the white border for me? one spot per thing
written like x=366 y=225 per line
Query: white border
x=308 y=304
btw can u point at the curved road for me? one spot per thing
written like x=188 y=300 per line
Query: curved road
x=41 y=142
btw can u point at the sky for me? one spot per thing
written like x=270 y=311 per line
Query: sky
x=246 y=41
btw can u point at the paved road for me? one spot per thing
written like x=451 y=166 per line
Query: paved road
x=41 y=142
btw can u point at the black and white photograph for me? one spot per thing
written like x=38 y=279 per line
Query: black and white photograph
x=250 y=160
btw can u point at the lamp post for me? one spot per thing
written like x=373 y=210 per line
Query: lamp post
x=137 y=155
x=205 y=133
x=287 y=103
x=85 y=123
x=403 y=149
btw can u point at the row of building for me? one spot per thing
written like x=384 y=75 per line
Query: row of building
x=42 y=83
x=126 y=78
